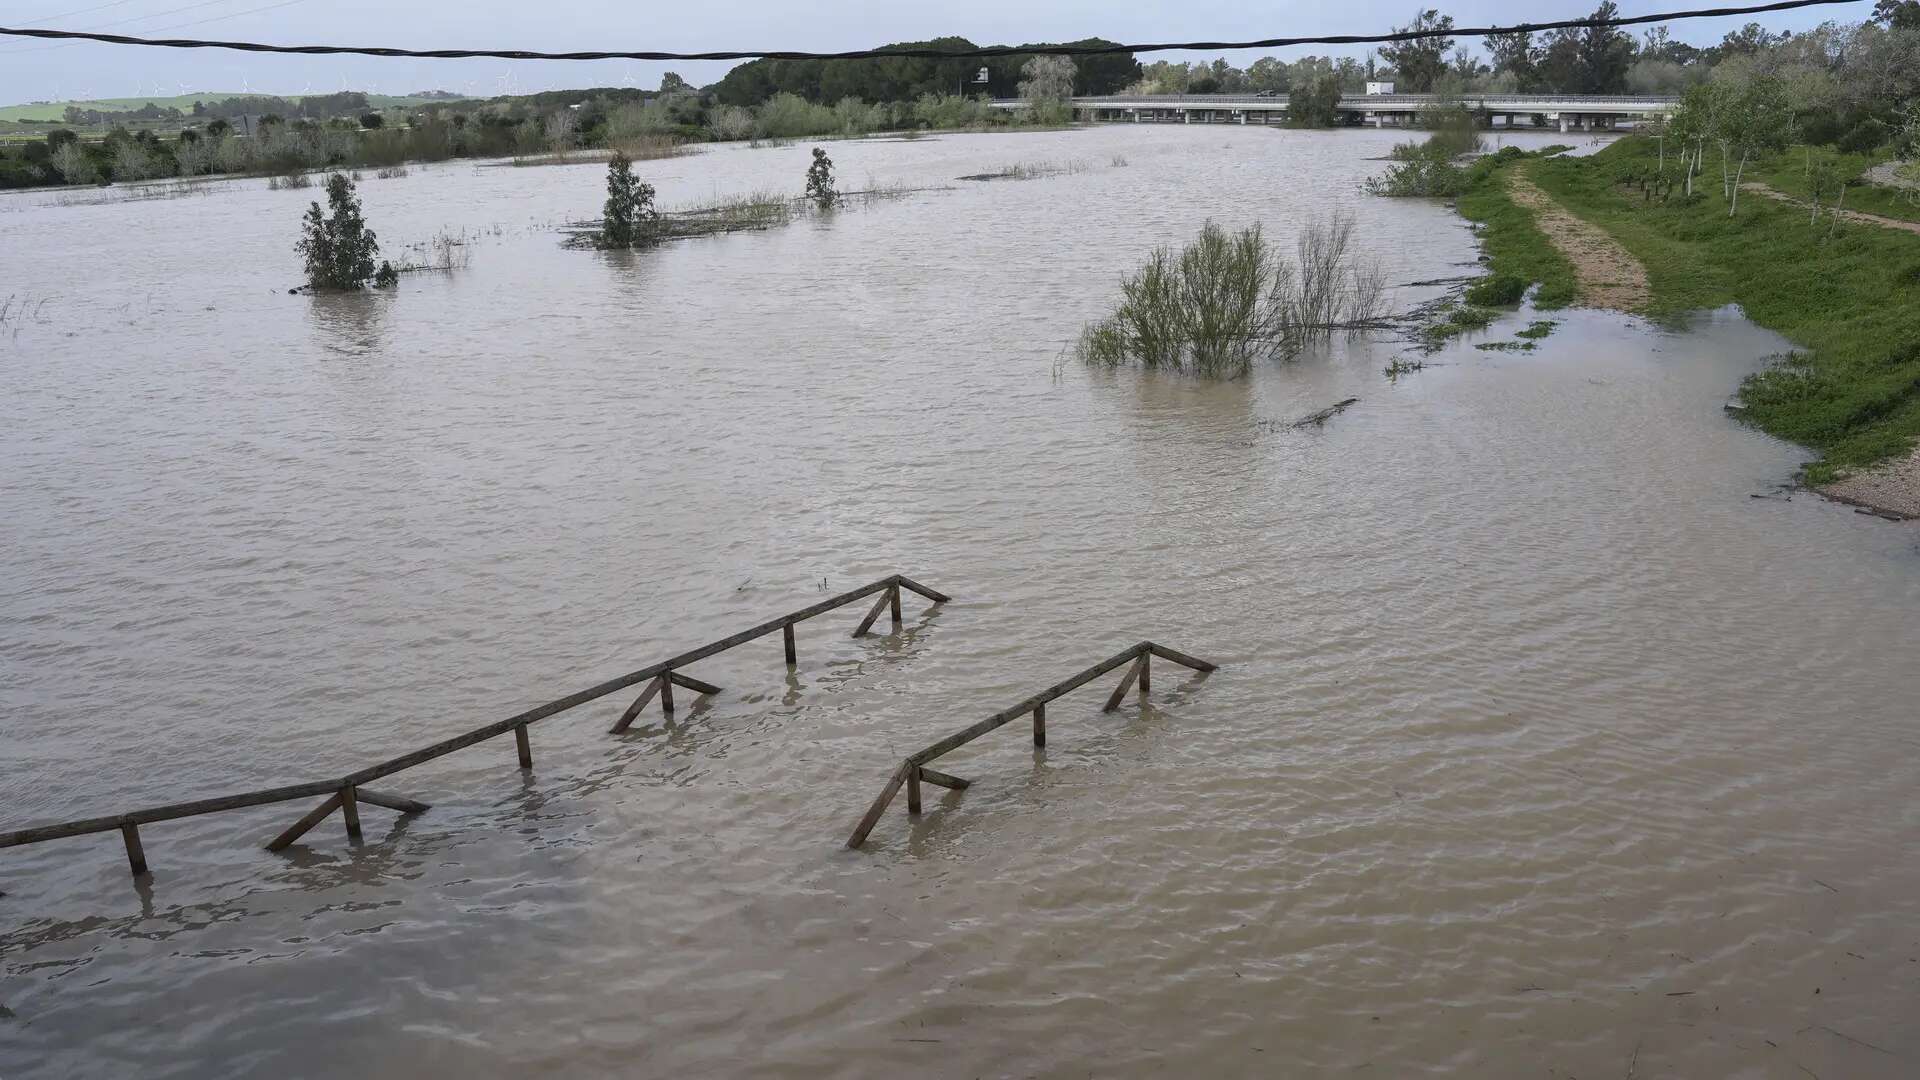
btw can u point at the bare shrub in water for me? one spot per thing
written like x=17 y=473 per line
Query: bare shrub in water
x=1333 y=288
x=1226 y=300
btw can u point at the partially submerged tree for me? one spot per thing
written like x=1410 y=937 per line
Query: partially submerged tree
x=339 y=248
x=820 y=180
x=630 y=216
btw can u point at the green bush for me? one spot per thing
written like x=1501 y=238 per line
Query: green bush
x=1225 y=301
x=1864 y=138
x=788 y=116
x=1425 y=175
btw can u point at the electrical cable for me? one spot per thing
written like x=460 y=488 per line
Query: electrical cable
x=979 y=52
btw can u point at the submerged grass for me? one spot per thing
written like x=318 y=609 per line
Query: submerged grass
x=1499 y=289
x=1031 y=170
x=639 y=148
x=1452 y=322
x=1847 y=294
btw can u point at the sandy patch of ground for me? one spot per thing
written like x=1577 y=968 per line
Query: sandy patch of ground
x=1607 y=275
x=1891 y=487
x=1887 y=174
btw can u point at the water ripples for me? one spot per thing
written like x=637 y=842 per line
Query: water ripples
x=1536 y=744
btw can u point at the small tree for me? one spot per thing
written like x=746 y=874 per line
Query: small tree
x=339 y=248
x=1824 y=177
x=1756 y=118
x=1688 y=128
x=373 y=121
x=820 y=180
x=629 y=214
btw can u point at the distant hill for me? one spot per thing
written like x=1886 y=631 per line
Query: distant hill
x=56 y=110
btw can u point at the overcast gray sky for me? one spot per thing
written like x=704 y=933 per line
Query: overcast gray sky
x=36 y=70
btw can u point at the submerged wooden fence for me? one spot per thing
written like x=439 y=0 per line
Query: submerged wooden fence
x=913 y=771
x=346 y=793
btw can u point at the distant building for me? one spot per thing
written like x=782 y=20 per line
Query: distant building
x=1379 y=88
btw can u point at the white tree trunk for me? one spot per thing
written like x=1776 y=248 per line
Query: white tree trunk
x=1734 y=202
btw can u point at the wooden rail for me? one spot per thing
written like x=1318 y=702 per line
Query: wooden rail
x=346 y=793
x=913 y=771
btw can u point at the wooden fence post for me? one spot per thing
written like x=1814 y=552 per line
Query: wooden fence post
x=893 y=602
x=526 y=750
x=913 y=789
x=1040 y=724
x=879 y=807
x=350 y=810
x=873 y=616
x=299 y=828
x=633 y=710
x=136 y=855
x=1126 y=684
x=793 y=655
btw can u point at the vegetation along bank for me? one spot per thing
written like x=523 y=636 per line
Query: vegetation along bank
x=1845 y=292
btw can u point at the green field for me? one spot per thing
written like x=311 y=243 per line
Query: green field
x=56 y=110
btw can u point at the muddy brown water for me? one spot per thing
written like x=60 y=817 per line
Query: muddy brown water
x=1538 y=747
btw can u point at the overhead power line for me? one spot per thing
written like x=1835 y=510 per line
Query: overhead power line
x=916 y=52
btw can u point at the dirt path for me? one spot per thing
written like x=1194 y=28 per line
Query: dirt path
x=1608 y=276
x=1759 y=188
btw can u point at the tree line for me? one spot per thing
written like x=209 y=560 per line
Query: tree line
x=1574 y=60
x=907 y=78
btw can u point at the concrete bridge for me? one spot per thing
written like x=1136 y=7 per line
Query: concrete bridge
x=1570 y=112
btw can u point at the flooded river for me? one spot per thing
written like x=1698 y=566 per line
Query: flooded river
x=1538 y=746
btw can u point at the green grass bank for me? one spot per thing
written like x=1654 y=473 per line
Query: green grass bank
x=1846 y=295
